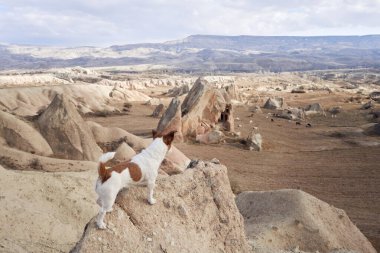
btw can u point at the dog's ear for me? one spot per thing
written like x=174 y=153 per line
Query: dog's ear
x=168 y=138
x=154 y=133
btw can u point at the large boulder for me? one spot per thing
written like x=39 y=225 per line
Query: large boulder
x=195 y=212
x=66 y=132
x=275 y=103
x=21 y=135
x=171 y=120
x=254 y=141
x=278 y=221
x=203 y=104
x=315 y=108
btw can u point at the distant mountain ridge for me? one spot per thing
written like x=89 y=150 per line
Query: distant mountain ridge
x=205 y=53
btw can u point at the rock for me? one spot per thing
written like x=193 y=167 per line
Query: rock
x=298 y=90
x=114 y=136
x=274 y=103
x=314 y=109
x=375 y=95
x=368 y=105
x=256 y=109
x=51 y=219
x=233 y=92
x=169 y=168
x=204 y=104
x=212 y=137
x=372 y=129
x=254 y=141
x=66 y=132
x=124 y=152
x=175 y=161
x=127 y=95
x=215 y=160
x=227 y=118
x=171 y=120
x=291 y=114
x=178 y=91
x=158 y=111
x=195 y=212
x=154 y=101
x=20 y=135
x=301 y=220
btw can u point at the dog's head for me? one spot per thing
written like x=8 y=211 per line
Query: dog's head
x=166 y=138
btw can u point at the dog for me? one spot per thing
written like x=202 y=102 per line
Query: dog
x=142 y=169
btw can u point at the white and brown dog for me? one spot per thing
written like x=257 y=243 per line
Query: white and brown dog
x=142 y=169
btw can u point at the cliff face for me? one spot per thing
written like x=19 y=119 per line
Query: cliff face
x=195 y=212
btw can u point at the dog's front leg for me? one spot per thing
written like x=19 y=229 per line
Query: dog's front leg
x=151 y=186
x=100 y=219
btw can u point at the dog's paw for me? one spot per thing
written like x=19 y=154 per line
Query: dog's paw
x=102 y=225
x=152 y=201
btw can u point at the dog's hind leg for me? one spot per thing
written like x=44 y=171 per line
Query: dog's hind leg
x=107 y=203
x=151 y=186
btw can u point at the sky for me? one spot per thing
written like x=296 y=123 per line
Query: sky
x=117 y=22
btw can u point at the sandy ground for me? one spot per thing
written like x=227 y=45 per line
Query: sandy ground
x=341 y=169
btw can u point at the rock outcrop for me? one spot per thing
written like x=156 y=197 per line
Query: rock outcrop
x=275 y=103
x=112 y=137
x=195 y=212
x=66 y=132
x=40 y=212
x=203 y=104
x=278 y=221
x=21 y=135
x=171 y=120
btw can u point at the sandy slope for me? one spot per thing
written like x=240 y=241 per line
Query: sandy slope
x=44 y=212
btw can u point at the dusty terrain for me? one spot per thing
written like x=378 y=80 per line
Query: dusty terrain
x=337 y=170
x=332 y=160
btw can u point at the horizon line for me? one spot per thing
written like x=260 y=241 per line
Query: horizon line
x=174 y=40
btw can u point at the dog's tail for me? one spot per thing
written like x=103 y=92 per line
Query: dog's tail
x=106 y=156
x=102 y=171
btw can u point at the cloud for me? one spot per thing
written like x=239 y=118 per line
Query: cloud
x=99 y=22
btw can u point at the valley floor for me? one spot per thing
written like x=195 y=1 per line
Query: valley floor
x=329 y=160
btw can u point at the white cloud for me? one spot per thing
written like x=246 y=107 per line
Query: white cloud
x=99 y=22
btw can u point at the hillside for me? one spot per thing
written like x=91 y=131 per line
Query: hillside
x=202 y=53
